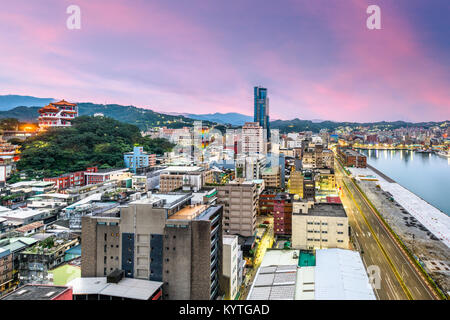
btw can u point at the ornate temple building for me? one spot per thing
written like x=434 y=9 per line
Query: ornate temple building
x=57 y=114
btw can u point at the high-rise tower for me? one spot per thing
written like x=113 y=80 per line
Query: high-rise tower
x=261 y=112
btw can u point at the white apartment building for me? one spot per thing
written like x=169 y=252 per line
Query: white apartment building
x=250 y=167
x=253 y=139
x=230 y=269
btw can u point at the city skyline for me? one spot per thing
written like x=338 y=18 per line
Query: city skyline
x=318 y=60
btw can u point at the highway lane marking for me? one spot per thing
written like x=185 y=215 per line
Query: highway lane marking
x=418 y=275
x=405 y=289
x=369 y=259
x=405 y=257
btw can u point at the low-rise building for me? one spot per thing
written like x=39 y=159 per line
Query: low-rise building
x=309 y=185
x=187 y=177
x=6 y=270
x=296 y=183
x=324 y=274
x=353 y=158
x=14 y=246
x=323 y=225
x=266 y=201
x=103 y=175
x=250 y=167
x=70 y=180
x=30 y=228
x=25 y=216
x=272 y=177
x=326 y=180
x=115 y=287
x=36 y=261
x=139 y=159
x=282 y=214
x=40 y=292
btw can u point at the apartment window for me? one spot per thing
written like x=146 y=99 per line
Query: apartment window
x=340 y=241
x=104 y=260
x=105 y=236
x=340 y=232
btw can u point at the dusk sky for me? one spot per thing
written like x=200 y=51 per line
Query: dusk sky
x=316 y=57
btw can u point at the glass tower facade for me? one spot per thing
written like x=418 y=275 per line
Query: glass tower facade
x=261 y=111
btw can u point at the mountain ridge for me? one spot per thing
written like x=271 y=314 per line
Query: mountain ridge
x=147 y=118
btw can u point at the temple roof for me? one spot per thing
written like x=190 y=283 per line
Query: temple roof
x=48 y=108
x=63 y=103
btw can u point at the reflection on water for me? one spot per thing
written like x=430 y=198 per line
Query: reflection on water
x=425 y=174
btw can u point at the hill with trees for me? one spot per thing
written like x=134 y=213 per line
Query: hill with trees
x=90 y=141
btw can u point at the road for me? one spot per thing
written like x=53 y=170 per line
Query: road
x=400 y=278
x=265 y=243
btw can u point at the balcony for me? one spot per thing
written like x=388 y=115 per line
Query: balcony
x=214 y=231
x=214 y=241
x=213 y=263
x=213 y=221
x=214 y=250
x=213 y=294
x=214 y=283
